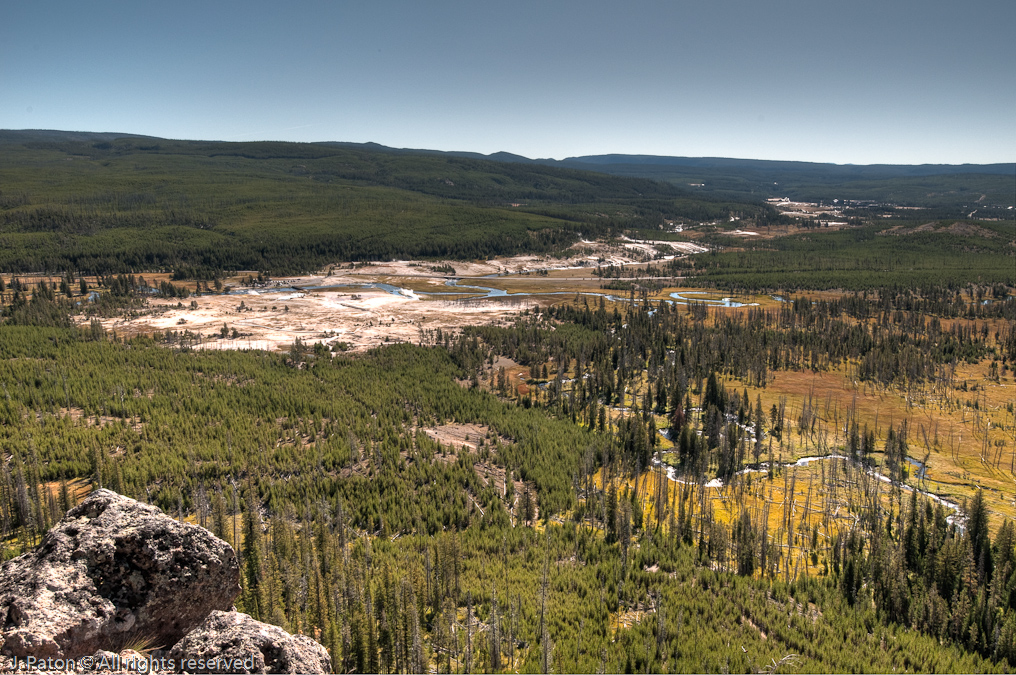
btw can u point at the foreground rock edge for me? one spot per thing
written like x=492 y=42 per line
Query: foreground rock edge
x=115 y=571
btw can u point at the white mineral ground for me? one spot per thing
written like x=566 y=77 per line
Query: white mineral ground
x=361 y=317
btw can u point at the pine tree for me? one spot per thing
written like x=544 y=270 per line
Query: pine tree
x=253 y=555
x=220 y=521
x=468 y=666
x=494 y=641
x=416 y=658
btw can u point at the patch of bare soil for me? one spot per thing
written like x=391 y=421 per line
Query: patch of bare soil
x=751 y=623
x=968 y=229
x=468 y=436
x=648 y=248
x=77 y=414
x=960 y=228
x=504 y=362
x=459 y=435
x=582 y=254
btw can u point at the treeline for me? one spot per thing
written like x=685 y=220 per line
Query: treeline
x=122 y=245
x=51 y=303
x=874 y=258
x=677 y=347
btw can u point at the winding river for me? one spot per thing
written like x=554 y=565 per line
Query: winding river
x=678 y=298
x=487 y=292
x=955 y=518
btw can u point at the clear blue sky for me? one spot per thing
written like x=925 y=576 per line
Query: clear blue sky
x=851 y=81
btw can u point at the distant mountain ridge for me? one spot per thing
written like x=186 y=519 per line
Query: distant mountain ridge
x=602 y=162
x=852 y=170
x=54 y=135
x=947 y=190
x=586 y=162
x=987 y=191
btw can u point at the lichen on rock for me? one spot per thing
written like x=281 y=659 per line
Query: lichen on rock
x=232 y=642
x=111 y=572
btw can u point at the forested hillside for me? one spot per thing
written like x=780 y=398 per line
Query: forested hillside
x=940 y=190
x=919 y=256
x=119 y=205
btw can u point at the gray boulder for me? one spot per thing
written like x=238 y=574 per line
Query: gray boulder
x=112 y=573
x=231 y=642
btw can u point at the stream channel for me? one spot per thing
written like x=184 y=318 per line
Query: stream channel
x=956 y=518
x=678 y=298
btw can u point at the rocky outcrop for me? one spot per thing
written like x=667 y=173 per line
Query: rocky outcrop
x=115 y=573
x=111 y=572
x=231 y=642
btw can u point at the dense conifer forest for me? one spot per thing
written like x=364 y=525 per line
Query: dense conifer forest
x=130 y=205
x=639 y=485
